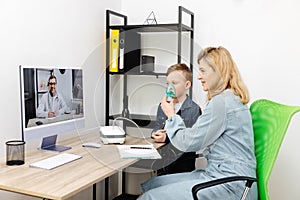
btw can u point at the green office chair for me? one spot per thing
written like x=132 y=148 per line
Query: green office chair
x=270 y=122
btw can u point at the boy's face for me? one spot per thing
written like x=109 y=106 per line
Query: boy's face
x=177 y=78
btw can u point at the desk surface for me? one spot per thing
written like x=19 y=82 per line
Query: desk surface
x=72 y=115
x=69 y=179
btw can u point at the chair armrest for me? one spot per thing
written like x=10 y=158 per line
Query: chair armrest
x=200 y=186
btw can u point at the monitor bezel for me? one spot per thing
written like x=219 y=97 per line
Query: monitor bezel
x=38 y=132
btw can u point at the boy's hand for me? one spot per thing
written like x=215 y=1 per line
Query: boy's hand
x=159 y=136
x=167 y=107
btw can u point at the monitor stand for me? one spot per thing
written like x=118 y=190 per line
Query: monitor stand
x=49 y=143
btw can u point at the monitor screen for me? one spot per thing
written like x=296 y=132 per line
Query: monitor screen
x=51 y=100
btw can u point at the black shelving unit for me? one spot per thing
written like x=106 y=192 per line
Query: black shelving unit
x=132 y=31
x=133 y=58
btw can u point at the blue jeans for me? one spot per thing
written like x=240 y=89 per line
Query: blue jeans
x=179 y=186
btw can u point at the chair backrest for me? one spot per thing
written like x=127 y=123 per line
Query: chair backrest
x=270 y=123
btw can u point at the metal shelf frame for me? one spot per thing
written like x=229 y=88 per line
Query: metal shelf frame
x=155 y=28
x=172 y=27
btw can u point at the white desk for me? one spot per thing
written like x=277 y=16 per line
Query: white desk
x=72 y=115
x=69 y=179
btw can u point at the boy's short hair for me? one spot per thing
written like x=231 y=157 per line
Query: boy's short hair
x=181 y=67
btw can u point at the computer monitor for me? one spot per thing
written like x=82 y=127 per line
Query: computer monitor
x=51 y=101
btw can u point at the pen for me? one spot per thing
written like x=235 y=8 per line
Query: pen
x=140 y=148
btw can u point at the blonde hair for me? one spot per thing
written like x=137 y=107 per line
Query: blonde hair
x=221 y=61
x=181 y=67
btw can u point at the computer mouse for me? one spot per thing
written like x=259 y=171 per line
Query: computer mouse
x=39 y=123
x=91 y=144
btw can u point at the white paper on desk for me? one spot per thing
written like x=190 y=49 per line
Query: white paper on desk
x=127 y=152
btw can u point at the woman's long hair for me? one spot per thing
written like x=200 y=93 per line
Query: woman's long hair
x=221 y=61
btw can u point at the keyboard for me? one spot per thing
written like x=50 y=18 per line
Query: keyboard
x=55 y=161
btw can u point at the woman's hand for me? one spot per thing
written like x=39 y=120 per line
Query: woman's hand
x=159 y=136
x=167 y=107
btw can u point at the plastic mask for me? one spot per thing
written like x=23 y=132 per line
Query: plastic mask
x=170 y=92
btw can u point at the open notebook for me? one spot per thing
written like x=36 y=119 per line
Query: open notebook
x=138 y=151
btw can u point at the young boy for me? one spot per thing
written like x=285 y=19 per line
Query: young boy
x=173 y=160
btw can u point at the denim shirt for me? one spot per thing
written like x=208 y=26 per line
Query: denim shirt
x=225 y=131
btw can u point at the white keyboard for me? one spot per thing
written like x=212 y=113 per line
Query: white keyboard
x=55 y=161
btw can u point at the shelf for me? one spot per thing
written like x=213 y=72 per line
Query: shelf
x=154 y=27
x=130 y=41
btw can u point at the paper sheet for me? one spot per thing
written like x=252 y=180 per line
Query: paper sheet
x=138 y=151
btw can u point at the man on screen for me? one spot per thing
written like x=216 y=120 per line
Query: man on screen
x=52 y=103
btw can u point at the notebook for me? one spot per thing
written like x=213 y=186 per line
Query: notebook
x=138 y=151
x=49 y=143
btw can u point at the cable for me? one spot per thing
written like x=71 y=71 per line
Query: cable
x=124 y=118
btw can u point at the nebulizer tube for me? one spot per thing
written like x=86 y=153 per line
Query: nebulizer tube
x=124 y=118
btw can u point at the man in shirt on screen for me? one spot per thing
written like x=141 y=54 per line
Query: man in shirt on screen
x=52 y=103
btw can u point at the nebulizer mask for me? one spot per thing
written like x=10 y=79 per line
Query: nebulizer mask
x=170 y=92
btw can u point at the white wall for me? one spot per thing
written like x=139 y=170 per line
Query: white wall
x=263 y=37
x=51 y=33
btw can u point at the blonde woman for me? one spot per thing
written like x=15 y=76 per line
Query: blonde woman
x=224 y=131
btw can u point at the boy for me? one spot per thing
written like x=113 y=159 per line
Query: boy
x=173 y=160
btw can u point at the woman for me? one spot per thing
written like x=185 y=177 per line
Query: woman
x=224 y=131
